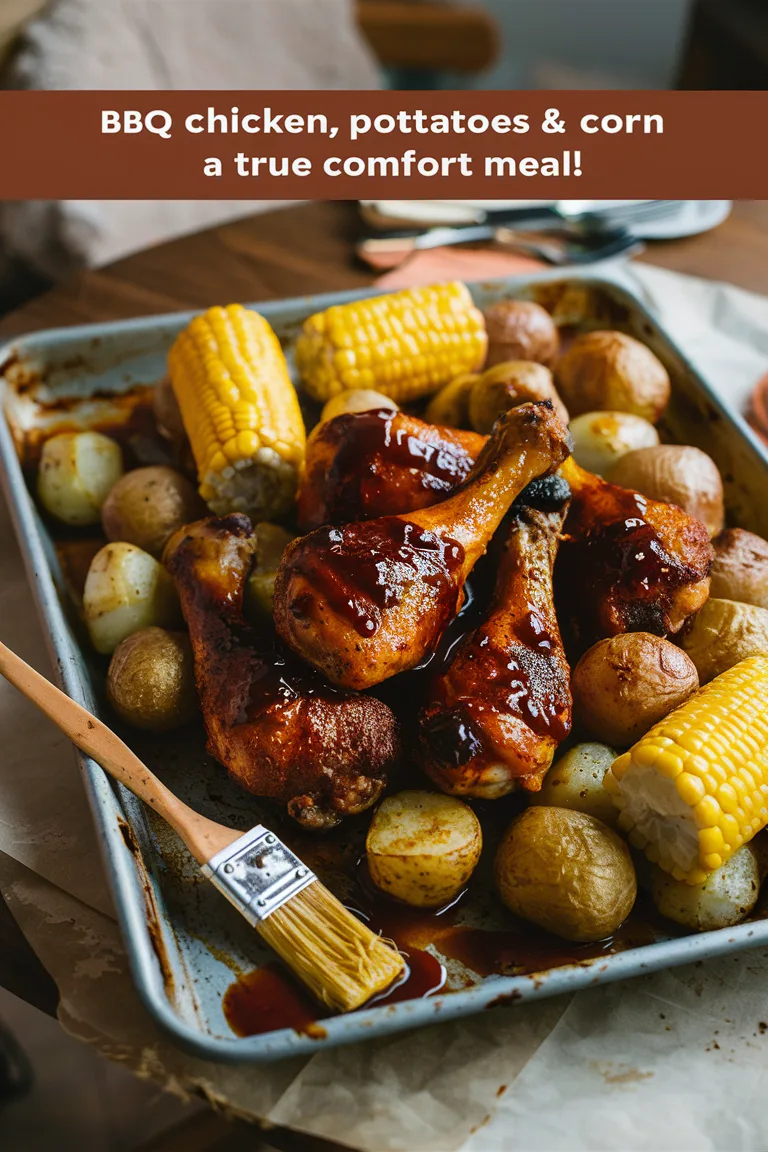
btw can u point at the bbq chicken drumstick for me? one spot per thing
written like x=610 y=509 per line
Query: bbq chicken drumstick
x=498 y=711
x=365 y=601
x=627 y=563
x=366 y=464
x=279 y=729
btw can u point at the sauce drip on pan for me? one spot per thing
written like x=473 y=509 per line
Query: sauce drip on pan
x=269 y=998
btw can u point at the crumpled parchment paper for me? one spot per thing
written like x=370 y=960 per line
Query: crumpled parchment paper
x=678 y=1059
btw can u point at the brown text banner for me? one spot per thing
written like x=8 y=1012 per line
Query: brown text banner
x=307 y=145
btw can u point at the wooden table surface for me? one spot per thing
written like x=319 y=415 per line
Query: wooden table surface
x=308 y=249
x=296 y=251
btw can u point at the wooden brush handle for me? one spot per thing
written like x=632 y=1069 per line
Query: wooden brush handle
x=203 y=837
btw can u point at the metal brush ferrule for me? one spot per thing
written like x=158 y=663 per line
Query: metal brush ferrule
x=258 y=874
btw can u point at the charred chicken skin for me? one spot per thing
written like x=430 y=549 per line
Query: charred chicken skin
x=365 y=601
x=366 y=464
x=277 y=726
x=627 y=563
x=499 y=709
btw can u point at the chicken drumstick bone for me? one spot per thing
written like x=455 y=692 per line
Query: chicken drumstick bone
x=365 y=601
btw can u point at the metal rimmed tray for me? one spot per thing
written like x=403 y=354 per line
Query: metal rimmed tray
x=183 y=940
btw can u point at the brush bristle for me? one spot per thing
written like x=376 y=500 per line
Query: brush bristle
x=338 y=958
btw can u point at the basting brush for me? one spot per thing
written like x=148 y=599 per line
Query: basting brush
x=333 y=953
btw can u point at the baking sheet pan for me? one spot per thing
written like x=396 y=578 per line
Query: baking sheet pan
x=185 y=943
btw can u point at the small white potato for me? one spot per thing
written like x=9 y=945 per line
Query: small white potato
x=575 y=781
x=567 y=872
x=272 y=540
x=151 y=680
x=724 y=899
x=422 y=847
x=356 y=400
x=602 y=438
x=740 y=570
x=723 y=633
x=125 y=590
x=77 y=471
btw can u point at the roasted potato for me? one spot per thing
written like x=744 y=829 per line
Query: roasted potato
x=567 y=872
x=272 y=540
x=725 y=898
x=625 y=684
x=520 y=330
x=507 y=385
x=422 y=847
x=148 y=505
x=356 y=400
x=125 y=590
x=450 y=406
x=602 y=438
x=740 y=570
x=575 y=781
x=613 y=372
x=77 y=471
x=675 y=474
x=151 y=680
x=722 y=633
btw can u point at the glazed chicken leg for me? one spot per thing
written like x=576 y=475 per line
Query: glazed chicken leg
x=278 y=728
x=366 y=464
x=365 y=601
x=498 y=711
x=628 y=564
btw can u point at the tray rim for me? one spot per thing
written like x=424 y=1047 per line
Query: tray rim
x=105 y=798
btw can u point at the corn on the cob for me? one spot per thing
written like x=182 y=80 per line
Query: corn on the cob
x=240 y=411
x=695 y=788
x=405 y=345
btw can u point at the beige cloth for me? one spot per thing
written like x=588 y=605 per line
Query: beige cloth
x=168 y=44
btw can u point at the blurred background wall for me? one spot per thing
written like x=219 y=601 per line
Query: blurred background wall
x=587 y=43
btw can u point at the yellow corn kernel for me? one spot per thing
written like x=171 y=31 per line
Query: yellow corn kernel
x=240 y=411
x=406 y=345
x=695 y=787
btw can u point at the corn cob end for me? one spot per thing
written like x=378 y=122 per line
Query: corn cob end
x=240 y=411
x=694 y=789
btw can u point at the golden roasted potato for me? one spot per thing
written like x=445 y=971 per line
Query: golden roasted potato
x=520 y=330
x=148 y=505
x=725 y=898
x=614 y=372
x=422 y=847
x=505 y=386
x=450 y=406
x=125 y=590
x=575 y=781
x=77 y=471
x=602 y=438
x=356 y=400
x=625 y=684
x=723 y=633
x=740 y=570
x=567 y=872
x=151 y=680
x=675 y=474
x=272 y=540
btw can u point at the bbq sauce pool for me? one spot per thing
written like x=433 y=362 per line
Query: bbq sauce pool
x=269 y=998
